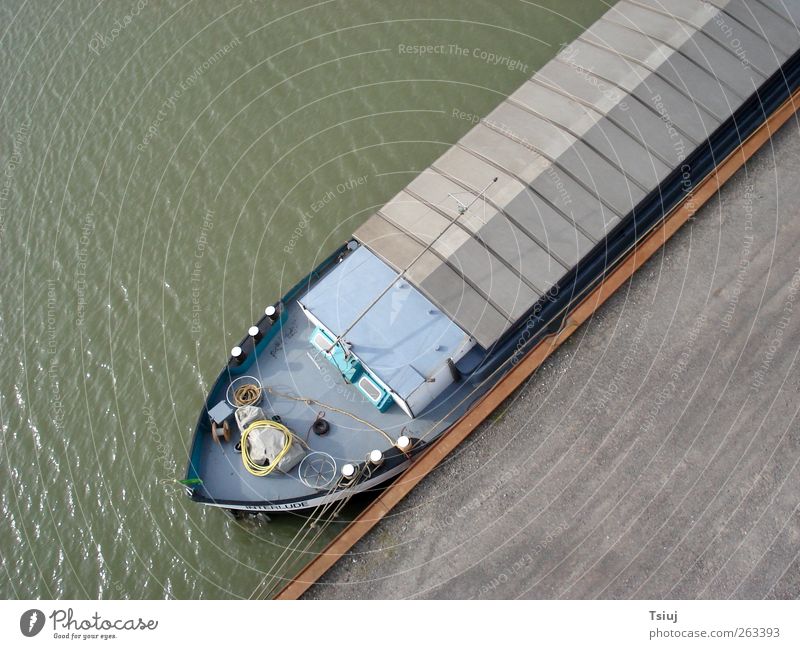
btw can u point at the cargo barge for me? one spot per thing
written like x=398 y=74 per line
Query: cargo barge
x=394 y=337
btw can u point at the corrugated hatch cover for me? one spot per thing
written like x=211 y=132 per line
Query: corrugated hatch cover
x=575 y=149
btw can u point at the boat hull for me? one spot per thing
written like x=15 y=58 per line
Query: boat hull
x=314 y=502
x=285 y=343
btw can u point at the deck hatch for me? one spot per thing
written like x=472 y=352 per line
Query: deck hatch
x=398 y=341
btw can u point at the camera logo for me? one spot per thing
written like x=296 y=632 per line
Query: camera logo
x=31 y=622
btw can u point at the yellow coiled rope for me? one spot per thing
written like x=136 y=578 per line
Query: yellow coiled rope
x=258 y=469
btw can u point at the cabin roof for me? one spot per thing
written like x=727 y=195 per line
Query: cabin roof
x=403 y=338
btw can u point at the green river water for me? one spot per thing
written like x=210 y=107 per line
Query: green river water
x=168 y=169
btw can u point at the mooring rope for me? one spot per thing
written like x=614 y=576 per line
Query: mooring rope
x=290 y=554
x=274 y=577
x=310 y=401
x=247 y=395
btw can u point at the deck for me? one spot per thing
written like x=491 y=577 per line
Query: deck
x=287 y=369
